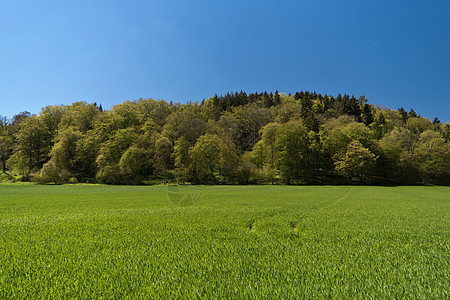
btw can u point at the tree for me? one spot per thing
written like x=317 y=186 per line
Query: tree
x=418 y=125
x=263 y=154
x=51 y=173
x=6 y=142
x=336 y=134
x=269 y=138
x=308 y=115
x=80 y=116
x=259 y=154
x=250 y=119
x=51 y=118
x=184 y=123
x=433 y=155
x=295 y=155
x=404 y=114
x=412 y=114
x=230 y=126
x=18 y=119
x=87 y=150
x=64 y=153
x=436 y=121
x=163 y=157
x=379 y=126
x=446 y=132
x=205 y=156
x=110 y=154
x=357 y=161
x=154 y=111
x=368 y=114
x=235 y=138
x=32 y=148
x=120 y=117
x=289 y=110
x=182 y=160
x=230 y=162
x=136 y=164
x=276 y=98
x=399 y=149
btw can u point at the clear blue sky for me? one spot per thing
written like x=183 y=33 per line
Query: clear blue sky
x=396 y=53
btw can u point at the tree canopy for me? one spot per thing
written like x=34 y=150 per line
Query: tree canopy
x=237 y=138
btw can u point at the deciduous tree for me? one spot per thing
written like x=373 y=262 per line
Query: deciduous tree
x=356 y=162
x=205 y=156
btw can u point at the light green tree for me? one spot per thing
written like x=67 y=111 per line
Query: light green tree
x=269 y=138
x=88 y=147
x=110 y=154
x=136 y=164
x=64 y=153
x=80 y=116
x=182 y=160
x=32 y=147
x=356 y=162
x=399 y=149
x=163 y=157
x=336 y=134
x=295 y=159
x=205 y=156
x=418 y=125
x=230 y=162
x=433 y=154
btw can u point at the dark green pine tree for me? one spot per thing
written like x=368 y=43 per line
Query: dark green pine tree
x=367 y=114
x=268 y=99
x=412 y=114
x=404 y=114
x=276 y=98
x=306 y=106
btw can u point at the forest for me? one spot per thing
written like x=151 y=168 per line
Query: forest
x=237 y=138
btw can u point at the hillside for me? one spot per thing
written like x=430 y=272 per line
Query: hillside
x=237 y=138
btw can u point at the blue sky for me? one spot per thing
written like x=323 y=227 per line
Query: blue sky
x=396 y=53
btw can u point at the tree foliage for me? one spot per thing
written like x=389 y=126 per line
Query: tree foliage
x=236 y=138
x=356 y=162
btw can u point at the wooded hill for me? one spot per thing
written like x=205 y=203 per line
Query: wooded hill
x=237 y=138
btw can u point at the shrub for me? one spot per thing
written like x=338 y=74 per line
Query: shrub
x=73 y=180
x=50 y=173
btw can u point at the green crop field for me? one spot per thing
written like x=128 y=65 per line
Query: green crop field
x=267 y=242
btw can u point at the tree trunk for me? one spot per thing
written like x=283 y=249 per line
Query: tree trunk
x=4 y=165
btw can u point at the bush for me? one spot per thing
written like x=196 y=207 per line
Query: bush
x=5 y=177
x=50 y=173
x=25 y=178
x=73 y=180
x=110 y=175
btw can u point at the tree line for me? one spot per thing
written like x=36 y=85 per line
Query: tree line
x=237 y=138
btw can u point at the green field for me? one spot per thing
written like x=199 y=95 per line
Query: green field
x=233 y=242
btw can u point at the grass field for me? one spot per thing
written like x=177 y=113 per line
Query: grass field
x=267 y=242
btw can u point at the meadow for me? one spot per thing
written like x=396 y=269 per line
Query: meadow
x=310 y=242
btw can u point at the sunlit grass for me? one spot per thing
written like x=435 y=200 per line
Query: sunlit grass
x=232 y=242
